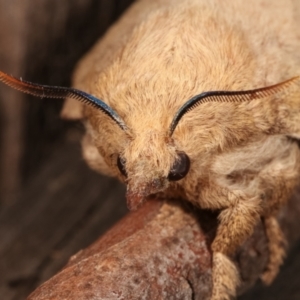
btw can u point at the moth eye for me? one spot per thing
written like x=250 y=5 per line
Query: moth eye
x=121 y=165
x=180 y=167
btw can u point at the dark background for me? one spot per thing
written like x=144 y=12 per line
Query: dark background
x=51 y=204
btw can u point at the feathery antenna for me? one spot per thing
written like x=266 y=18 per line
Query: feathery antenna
x=230 y=96
x=61 y=93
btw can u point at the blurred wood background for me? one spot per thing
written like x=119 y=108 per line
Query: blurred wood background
x=51 y=204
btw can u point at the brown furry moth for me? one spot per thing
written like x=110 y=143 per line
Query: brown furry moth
x=201 y=101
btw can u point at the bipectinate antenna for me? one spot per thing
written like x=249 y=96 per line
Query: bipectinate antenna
x=61 y=93
x=232 y=96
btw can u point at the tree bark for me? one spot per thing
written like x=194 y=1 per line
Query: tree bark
x=161 y=251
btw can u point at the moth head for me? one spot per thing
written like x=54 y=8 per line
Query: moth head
x=151 y=160
x=149 y=164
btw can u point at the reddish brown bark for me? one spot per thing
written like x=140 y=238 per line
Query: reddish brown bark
x=160 y=251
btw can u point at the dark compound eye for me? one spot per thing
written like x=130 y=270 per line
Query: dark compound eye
x=180 y=167
x=121 y=165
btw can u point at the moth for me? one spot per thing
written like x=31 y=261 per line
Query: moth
x=198 y=100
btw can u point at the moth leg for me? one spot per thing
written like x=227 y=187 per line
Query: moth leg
x=278 y=193
x=225 y=277
x=236 y=224
x=276 y=244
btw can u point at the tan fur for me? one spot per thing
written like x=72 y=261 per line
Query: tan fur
x=159 y=55
x=277 y=245
x=225 y=277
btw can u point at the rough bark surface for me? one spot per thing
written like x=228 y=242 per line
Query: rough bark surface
x=159 y=252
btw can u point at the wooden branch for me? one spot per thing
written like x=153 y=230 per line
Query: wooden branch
x=160 y=251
